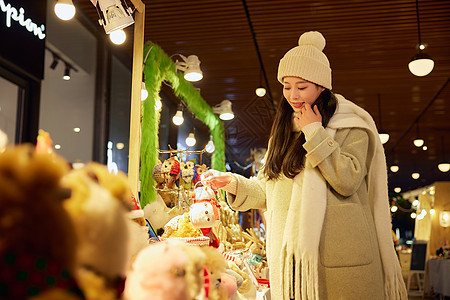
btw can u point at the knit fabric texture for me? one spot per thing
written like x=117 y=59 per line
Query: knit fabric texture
x=307 y=60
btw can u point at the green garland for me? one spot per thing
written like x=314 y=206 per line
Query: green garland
x=159 y=67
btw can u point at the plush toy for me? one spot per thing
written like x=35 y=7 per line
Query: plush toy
x=204 y=213
x=215 y=265
x=98 y=206
x=158 y=175
x=188 y=173
x=200 y=169
x=44 y=142
x=166 y=270
x=37 y=237
x=171 y=171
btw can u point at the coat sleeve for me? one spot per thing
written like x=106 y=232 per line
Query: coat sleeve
x=343 y=164
x=251 y=193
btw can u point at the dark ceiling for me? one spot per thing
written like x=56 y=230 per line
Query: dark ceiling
x=369 y=45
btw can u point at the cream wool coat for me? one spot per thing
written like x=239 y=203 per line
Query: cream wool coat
x=349 y=259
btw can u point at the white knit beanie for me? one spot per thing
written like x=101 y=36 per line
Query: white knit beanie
x=307 y=60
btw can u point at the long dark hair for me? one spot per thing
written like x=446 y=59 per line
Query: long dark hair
x=286 y=154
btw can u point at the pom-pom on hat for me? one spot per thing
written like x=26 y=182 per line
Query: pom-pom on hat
x=307 y=60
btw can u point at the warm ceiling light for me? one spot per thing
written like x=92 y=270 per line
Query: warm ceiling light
x=432 y=211
x=424 y=148
x=421 y=64
x=394 y=168
x=413 y=215
x=397 y=189
x=418 y=142
x=190 y=66
x=444 y=167
x=224 y=110
x=260 y=91
x=77 y=129
x=384 y=137
x=113 y=15
x=64 y=9
x=118 y=36
x=144 y=92
x=120 y=146
x=415 y=175
x=210 y=146
x=57 y=146
x=178 y=118
x=190 y=140
x=394 y=208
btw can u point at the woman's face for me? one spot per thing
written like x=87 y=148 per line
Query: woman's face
x=298 y=91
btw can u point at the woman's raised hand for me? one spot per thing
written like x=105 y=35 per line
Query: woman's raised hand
x=215 y=179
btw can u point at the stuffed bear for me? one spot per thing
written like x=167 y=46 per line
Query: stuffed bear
x=37 y=237
x=98 y=206
x=215 y=264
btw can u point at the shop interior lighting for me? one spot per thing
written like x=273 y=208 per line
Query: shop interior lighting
x=55 y=61
x=415 y=175
x=444 y=218
x=432 y=211
x=66 y=75
x=394 y=208
x=418 y=141
x=421 y=64
x=118 y=36
x=64 y=9
x=443 y=166
x=114 y=15
x=178 y=118
x=224 y=110
x=144 y=92
x=210 y=146
x=190 y=66
x=260 y=91
x=384 y=136
x=394 y=168
x=190 y=140
x=397 y=189
x=413 y=215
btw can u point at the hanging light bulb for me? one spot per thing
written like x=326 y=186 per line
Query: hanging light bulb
x=413 y=215
x=415 y=175
x=210 y=146
x=224 y=110
x=424 y=148
x=394 y=168
x=397 y=189
x=394 y=208
x=260 y=91
x=158 y=104
x=144 y=93
x=443 y=166
x=178 y=118
x=421 y=64
x=190 y=140
x=64 y=9
x=384 y=136
x=118 y=36
x=418 y=142
x=432 y=211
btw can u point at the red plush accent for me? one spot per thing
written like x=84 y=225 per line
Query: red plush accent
x=206 y=281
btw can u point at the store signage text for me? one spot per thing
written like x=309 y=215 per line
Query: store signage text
x=18 y=15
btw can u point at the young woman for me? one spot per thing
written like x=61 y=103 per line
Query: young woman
x=324 y=189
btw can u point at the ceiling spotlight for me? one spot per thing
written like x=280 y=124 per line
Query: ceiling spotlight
x=415 y=175
x=397 y=189
x=421 y=64
x=210 y=146
x=424 y=148
x=260 y=91
x=190 y=140
x=113 y=15
x=178 y=118
x=118 y=36
x=55 y=61
x=224 y=110
x=77 y=129
x=394 y=168
x=64 y=9
x=66 y=75
x=190 y=66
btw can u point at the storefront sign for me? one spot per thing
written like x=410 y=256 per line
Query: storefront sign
x=17 y=15
x=22 y=35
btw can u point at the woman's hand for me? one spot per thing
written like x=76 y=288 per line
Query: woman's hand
x=215 y=179
x=308 y=115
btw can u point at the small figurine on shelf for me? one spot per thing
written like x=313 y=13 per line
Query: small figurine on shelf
x=44 y=142
x=171 y=171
